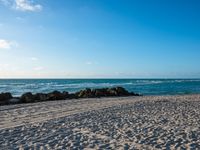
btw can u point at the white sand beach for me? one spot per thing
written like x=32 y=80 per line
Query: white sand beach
x=146 y=122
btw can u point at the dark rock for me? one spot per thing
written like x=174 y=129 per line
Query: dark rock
x=87 y=93
x=97 y=93
x=55 y=95
x=14 y=100
x=104 y=92
x=115 y=91
x=100 y=92
x=134 y=94
x=27 y=97
x=5 y=97
x=111 y=92
x=121 y=91
x=72 y=96
x=66 y=95
x=40 y=97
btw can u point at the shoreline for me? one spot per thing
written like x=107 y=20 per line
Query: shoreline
x=134 y=122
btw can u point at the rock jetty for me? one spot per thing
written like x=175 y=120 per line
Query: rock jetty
x=7 y=98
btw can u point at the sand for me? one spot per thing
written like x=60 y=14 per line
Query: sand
x=148 y=122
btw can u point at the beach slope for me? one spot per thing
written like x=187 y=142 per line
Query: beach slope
x=147 y=122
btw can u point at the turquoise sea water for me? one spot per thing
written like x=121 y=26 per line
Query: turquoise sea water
x=142 y=86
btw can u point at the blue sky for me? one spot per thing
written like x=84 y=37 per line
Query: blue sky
x=99 y=39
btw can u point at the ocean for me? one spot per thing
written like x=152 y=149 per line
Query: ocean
x=142 y=86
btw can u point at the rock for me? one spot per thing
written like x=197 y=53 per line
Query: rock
x=87 y=93
x=134 y=94
x=27 y=97
x=66 y=95
x=14 y=100
x=5 y=97
x=72 y=96
x=116 y=91
x=40 y=97
x=100 y=92
x=55 y=95
x=121 y=91
x=111 y=92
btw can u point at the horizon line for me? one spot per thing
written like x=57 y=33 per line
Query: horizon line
x=166 y=78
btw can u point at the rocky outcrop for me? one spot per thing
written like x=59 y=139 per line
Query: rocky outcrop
x=66 y=95
x=6 y=98
x=104 y=92
x=40 y=97
x=27 y=98
x=55 y=95
x=14 y=100
x=85 y=93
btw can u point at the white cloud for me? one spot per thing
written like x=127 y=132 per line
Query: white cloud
x=22 y=5
x=27 y=5
x=5 y=44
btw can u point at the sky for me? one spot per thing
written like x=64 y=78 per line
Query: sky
x=99 y=38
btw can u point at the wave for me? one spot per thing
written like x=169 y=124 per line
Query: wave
x=141 y=85
x=166 y=81
x=92 y=84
